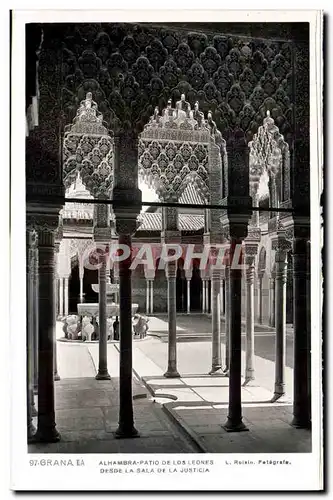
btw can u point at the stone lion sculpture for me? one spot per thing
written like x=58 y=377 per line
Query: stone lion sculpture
x=73 y=326
x=87 y=328
x=141 y=326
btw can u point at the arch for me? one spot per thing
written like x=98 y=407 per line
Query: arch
x=269 y=153
x=174 y=152
x=262 y=261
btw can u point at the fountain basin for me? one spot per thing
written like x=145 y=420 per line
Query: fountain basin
x=92 y=309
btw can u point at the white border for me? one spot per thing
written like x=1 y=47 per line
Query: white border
x=305 y=472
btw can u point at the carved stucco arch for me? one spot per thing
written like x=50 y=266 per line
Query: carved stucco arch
x=131 y=68
x=269 y=152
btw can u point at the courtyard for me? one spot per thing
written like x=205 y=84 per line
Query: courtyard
x=183 y=415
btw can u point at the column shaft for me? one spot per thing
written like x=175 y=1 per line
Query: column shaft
x=280 y=320
x=260 y=300
x=66 y=296
x=188 y=296
x=147 y=297
x=235 y=419
x=272 y=302
x=35 y=315
x=227 y=320
x=30 y=355
x=46 y=429
x=126 y=419
x=61 y=296
x=172 y=322
x=151 y=296
x=302 y=360
x=249 y=368
x=216 y=322
x=203 y=296
x=81 y=284
x=103 y=373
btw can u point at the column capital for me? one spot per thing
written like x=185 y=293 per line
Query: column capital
x=42 y=222
x=171 y=270
x=126 y=225
x=281 y=246
x=251 y=249
x=170 y=237
x=253 y=234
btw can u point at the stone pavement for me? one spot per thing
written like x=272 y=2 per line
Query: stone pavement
x=87 y=409
x=198 y=402
x=172 y=415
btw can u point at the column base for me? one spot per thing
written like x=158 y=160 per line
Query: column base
x=249 y=379
x=237 y=426
x=31 y=432
x=103 y=376
x=56 y=377
x=301 y=423
x=225 y=372
x=277 y=397
x=34 y=411
x=126 y=432
x=171 y=374
x=47 y=435
x=216 y=370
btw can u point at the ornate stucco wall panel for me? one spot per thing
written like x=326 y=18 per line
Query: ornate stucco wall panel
x=132 y=68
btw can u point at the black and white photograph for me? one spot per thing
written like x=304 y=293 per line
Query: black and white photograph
x=166 y=250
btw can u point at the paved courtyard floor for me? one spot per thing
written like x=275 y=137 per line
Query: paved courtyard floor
x=182 y=415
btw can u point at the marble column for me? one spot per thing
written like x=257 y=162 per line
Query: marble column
x=147 y=297
x=272 y=301
x=103 y=373
x=221 y=298
x=126 y=426
x=281 y=246
x=55 y=359
x=259 y=281
x=151 y=296
x=249 y=367
x=188 y=309
x=66 y=296
x=171 y=273
x=302 y=333
x=61 y=297
x=216 y=322
x=227 y=320
x=235 y=420
x=126 y=207
x=204 y=295
x=46 y=428
x=81 y=276
x=35 y=315
x=30 y=354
